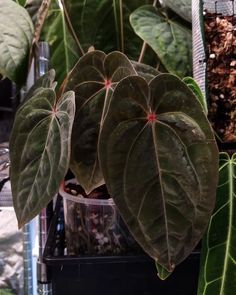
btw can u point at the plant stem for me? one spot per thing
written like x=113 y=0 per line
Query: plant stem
x=116 y=24
x=144 y=46
x=71 y=28
x=121 y=25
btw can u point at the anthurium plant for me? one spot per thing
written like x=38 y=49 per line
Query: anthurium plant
x=143 y=133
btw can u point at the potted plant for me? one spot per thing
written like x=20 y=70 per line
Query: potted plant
x=114 y=121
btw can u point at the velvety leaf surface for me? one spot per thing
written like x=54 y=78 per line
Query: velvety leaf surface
x=192 y=84
x=93 y=80
x=182 y=7
x=39 y=151
x=170 y=40
x=160 y=162
x=218 y=255
x=16 y=33
x=145 y=71
x=98 y=23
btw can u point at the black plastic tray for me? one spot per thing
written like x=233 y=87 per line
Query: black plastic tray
x=112 y=275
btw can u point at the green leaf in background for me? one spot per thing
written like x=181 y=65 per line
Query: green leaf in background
x=64 y=50
x=16 y=33
x=218 y=255
x=21 y=2
x=93 y=79
x=98 y=23
x=182 y=7
x=171 y=41
x=160 y=162
x=40 y=151
x=192 y=84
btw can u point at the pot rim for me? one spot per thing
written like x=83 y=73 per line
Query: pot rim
x=82 y=200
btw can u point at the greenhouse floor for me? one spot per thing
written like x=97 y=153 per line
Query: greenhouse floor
x=11 y=254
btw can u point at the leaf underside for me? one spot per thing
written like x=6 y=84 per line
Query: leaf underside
x=160 y=162
x=218 y=255
x=39 y=151
x=93 y=80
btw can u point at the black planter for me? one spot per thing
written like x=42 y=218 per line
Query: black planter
x=113 y=275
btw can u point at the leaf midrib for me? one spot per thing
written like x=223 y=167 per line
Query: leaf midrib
x=42 y=155
x=159 y=173
x=229 y=234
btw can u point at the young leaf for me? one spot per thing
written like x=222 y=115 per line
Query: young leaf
x=39 y=151
x=160 y=161
x=170 y=40
x=16 y=33
x=218 y=255
x=93 y=79
x=192 y=84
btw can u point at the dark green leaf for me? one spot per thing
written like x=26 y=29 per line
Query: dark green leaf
x=218 y=256
x=39 y=151
x=145 y=71
x=160 y=162
x=98 y=23
x=93 y=80
x=170 y=40
x=192 y=84
x=45 y=81
x=63 y=48
x=182 y=7
x=16 y=33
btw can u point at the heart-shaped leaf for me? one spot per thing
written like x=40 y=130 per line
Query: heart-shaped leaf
x=16 y=33
x=40 y=151
x=218 y=255
x=93 y=80
x=160 y=162
x=182 y=7
x=170 y=40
